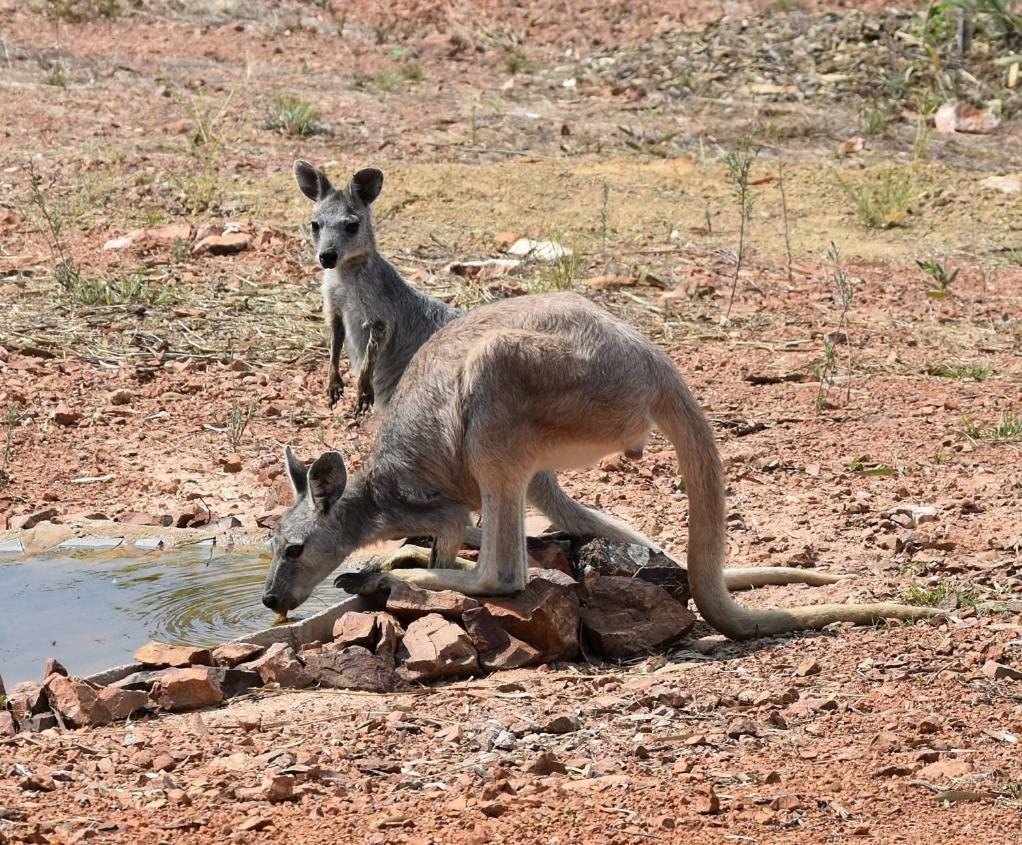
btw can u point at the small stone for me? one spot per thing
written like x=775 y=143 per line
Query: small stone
x=43 y=722
x=998 y=671
x=355 y=628
x=164 y=654
x=188 y=689
x=231 y=654
x=562 y=723
x=945 y=769
x=435 y=648
x=545 y=763
x=65 y=416
x=963 y=117
x=809 y=666
x=706 y=802
x=53 y=667
x=8 y=727
x=232 y=463
x=223 y=244
x=164 y=763
x=742 y=727
x=493 y=809
x=121 y=397
x=786 y=801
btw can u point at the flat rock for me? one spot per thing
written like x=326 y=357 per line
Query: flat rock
x=76 y=701
x=606 y=557
x=123 y=703
x=144 y=680
x=997 y=671
x=164 y=654
x=188 y=689
x=433 y=648
x=353 y=667
x=231 y=654
x=407 y=602
x=623 y=617
x=542 y=615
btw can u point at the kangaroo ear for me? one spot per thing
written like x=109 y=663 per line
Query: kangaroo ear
x=366 y=184
x=327 y=478
x=298 y=472
x=311 y=180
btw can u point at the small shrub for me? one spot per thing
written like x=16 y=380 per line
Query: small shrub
x=961 y=371
x=76 y=11
x=294 y=117
x=516 y=61
x=884 y=199
x=937 y=271
x=1008 y=427
x=128 y=289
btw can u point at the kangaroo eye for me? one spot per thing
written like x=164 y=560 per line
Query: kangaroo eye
x=352 y=227
x=294 y=551
x=315 y=227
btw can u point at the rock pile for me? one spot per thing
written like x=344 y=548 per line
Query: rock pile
x=602 y=598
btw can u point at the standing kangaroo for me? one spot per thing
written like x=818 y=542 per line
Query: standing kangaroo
x=511 y=389
x=368 y=307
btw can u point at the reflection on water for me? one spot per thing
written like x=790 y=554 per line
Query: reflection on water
x=93 y=611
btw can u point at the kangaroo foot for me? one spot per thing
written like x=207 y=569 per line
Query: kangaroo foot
x=363 y=583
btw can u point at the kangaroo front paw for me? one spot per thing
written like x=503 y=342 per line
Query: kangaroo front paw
x=362 y=583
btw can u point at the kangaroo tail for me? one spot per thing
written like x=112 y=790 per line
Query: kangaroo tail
x=679 y=417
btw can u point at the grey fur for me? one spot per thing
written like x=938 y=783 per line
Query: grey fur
x=362 y=290
x=512 y=389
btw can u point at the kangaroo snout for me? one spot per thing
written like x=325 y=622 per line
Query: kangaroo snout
x=273 y=602
x=328 y=259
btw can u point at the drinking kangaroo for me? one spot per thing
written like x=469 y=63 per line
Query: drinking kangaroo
x=513 y=388
x=382 y=320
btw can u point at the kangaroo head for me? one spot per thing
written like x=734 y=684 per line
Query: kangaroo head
x=341 y=225
x=306 y=546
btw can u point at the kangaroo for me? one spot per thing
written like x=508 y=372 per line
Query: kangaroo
x=511 y=389
x=368 y=307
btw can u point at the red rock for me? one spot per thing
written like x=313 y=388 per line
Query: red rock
x=123 y=703
x=231 y=654
x=223 y=244
x=232 y=463
x=997 y=671
x=65 y=416
x=188 y=689
x=121 y=397
x=42 y=722
x=963 y=117
x=541 y=615
x=26 y=699
x=562 y=723
x=435 y=648
x=497 y=648
x=53 y=666
x=809 y=666
x=164 y=763
x=742 y=727
x=8 y=727
x=280 y=665
x=76 y=701
x=136 y=518
x=545 y=763
x=354 y=668
x=27 y=521
x=408 y=602
x=622 y=617
x=706 y=801
x=276 y=788
x=945 y=769
x=164 y=654
x=550 y=556
x=169 y=233
x=355 y=628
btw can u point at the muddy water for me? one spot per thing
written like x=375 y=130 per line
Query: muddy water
x=92 y=611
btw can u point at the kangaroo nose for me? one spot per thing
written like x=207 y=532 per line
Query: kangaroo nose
x=328 y=259
x=271 y=601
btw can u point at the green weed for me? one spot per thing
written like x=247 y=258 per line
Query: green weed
x=1008 y=427
x=516 y=61
x=961 y=371
x=293 y=117
x=76 y=11
x=10 y=422
x=738 y=162
x=943 y=279
x=128 y=289
x=884 y=198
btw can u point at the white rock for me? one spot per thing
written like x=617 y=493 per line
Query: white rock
x=1005 y=184
x=540 y=250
